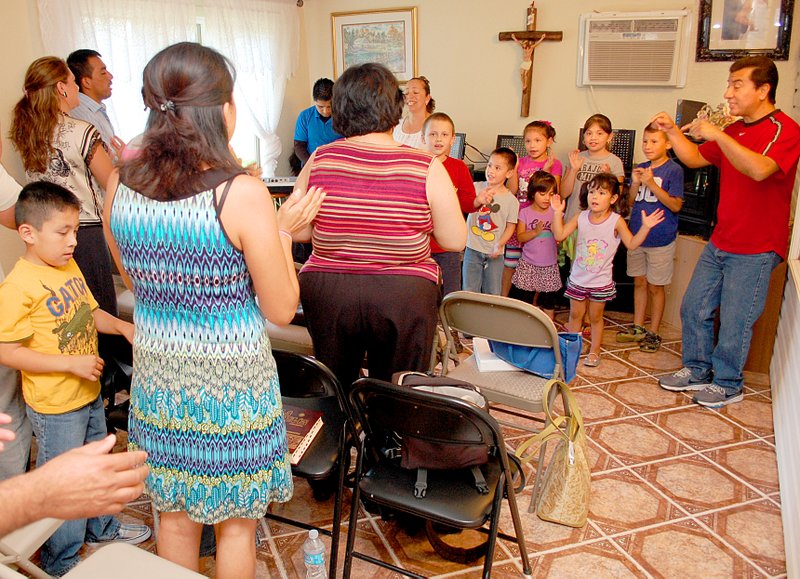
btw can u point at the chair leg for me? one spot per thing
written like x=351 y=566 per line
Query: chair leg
x=351 y=527
x=515 y=518
x=337 y=505
x=537 y=480
x=31 y=569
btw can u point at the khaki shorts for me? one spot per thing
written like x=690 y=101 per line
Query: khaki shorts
x=655 y=262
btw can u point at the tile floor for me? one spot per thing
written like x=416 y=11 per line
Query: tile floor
x=677 y=490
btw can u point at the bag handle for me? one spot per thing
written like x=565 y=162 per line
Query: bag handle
x=572 y=415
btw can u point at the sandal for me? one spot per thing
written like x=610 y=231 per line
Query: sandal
x=651 y=343
x=592 y=360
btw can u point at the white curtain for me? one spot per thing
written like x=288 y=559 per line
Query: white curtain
x=259 y=36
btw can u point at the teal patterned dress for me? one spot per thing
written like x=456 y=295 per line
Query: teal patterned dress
x=205 y=401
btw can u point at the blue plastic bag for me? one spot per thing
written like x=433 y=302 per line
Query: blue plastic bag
x=541 y=361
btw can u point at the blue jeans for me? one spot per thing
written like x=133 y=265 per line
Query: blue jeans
x=737 y=284
x=482 y=273
x=56 y=434
x=14 y=457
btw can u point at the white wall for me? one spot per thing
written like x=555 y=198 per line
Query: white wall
x=20 y=42
x=475 y=78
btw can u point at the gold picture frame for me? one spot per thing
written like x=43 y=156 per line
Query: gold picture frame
x=387 y=36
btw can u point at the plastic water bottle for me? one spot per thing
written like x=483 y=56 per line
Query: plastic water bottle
x=314 y=556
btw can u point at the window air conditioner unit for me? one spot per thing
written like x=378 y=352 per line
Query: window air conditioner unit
x=634 y=48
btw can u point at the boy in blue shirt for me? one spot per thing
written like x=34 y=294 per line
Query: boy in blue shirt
x=314 y=126
x=655 y=184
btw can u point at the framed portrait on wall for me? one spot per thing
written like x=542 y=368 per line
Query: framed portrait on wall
x=388 y=37
x=732 y=29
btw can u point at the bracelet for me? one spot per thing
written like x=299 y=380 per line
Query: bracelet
x=285 y=234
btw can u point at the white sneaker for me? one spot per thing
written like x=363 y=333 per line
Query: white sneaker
x=132 y=534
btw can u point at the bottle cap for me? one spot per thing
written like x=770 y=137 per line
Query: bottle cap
x=313 y=534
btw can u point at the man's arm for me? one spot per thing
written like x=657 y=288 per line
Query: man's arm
x=748 y=162
x=301 y=150
x=84 y=482
x=687 y=151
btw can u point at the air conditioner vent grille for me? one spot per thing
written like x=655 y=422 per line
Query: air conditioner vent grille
x=614 y=61
x=656 y=25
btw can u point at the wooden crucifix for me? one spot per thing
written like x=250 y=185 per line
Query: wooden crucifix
x=529 y=39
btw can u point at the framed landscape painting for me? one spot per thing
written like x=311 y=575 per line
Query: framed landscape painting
x=732 y=29
x=388 y=37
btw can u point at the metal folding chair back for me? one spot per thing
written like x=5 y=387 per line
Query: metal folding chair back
x=383 y=409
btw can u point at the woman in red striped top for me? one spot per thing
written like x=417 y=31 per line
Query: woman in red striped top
x=370 y=286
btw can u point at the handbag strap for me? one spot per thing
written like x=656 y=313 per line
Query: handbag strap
x=572 y=416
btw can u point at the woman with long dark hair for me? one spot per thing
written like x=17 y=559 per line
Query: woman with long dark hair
x=208 y=259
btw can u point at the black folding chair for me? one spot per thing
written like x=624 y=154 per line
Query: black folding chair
x=309 y=384
x=387 y=410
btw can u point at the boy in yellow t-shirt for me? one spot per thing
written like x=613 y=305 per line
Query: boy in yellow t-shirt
x=48 y=331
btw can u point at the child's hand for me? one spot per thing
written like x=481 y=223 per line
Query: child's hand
x=575 y=160
x=605 y=168
x=646 y=176
x=557 y=203
x=87 y=367
x=485 y=197
x=548 y=164
x=538 y=229
x=653 y=219
x=497 y=250
x=636 y=176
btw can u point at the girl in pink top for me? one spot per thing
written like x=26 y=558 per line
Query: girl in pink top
x=539 y=137
x=600 y=231
x=537 y=270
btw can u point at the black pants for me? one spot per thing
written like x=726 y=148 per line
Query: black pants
x=94 y=260
x=389 y=318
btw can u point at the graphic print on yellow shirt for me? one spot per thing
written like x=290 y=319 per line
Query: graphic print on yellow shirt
x=49 y=310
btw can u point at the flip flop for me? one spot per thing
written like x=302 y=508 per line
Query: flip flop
x=592 y=360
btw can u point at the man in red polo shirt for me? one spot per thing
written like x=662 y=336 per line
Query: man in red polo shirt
x=757 y=159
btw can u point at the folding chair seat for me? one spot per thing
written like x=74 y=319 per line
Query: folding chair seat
x=514 y=322
x=388 y=410
x=309 y=384
x=118 y=560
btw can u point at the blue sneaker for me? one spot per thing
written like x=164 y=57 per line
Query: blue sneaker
x=713 y=396
x=681 y=381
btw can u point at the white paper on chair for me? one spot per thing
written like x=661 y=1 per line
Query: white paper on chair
x=487 y=360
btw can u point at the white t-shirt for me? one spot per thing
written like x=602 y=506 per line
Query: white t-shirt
x=9 y=191
x=410 y=139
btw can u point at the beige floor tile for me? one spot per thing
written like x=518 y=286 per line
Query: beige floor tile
x=754 y=462
x=635 y=441
x=684 y=549
x=695 y=484
x=755 y=530
x=701 y=429
x=601 y=560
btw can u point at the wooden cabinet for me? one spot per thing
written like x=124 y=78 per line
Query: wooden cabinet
x=686 y=256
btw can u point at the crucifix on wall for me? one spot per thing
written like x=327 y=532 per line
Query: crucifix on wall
x=529 y=39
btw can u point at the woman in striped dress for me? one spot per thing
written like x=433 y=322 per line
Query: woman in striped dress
x=370 y=285
x=199 y=241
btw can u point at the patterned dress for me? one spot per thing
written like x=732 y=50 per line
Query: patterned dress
x=205 y=401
